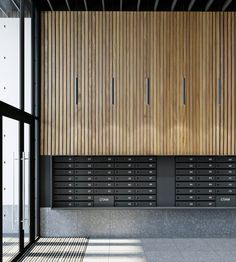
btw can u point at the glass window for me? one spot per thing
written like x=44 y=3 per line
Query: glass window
x=9 y=52
x=28 y=57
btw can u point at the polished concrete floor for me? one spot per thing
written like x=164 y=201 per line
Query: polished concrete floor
x=133 y=250
x=161 y=250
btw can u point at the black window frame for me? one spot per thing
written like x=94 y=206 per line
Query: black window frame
x=19 y=114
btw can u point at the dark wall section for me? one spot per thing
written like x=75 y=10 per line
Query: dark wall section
x=45 y=181
x=166 y=181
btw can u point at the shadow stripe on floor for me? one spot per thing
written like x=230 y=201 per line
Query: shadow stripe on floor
x=57 y=249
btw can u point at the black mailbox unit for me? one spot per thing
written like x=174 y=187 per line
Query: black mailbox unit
x=132 y=181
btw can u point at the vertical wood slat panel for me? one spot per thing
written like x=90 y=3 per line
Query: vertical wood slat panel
x=53 y=84
x=42 y=105
x=72 y=140
x=233 y=132
x=218 y=66
x=130 y=47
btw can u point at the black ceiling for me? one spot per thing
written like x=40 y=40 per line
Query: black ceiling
x=137 y=5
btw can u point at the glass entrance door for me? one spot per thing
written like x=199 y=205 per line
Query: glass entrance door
x=16 y=186
x=10 y=188
x=26 y=184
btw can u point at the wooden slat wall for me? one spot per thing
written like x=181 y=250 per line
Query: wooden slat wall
x=131 y=47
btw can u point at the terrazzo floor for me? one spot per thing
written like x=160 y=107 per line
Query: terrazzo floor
x=161 y=250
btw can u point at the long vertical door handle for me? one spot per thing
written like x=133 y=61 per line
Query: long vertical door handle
x=112 y=91
x=184 y=91
x=76 y=91
x=219 y=92
x=13 y=193
x=147 y=91
x=23 y=171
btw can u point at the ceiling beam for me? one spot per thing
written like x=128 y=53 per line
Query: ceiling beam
x=68 y=5
x=173 y=5
x=208 y=5
x=50 y=5
x=226 y=4
x=191 y=4
x=16 y=6
x=121 y=5
x=138 y=5
x=156 y=5
x=103 y=5
x=85 y=5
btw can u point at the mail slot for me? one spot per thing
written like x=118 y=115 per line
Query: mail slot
x=206 y=197
x=124 y=184
x=103 y=159
x=64 y=178
x=186 y=197
x=104 y=191
x=185 y=165
x=63 y=204
x=226 y=172
x=185 y=184
x=145 y=204
x=83 y=184
x=124 y=178
x=226 y=178
x=83 y=178
x=62 y=159
x=205 y=191
x=226 y=184
x=205 y=178
x=83 y=191
x=104 y=184
x=124 y=191
x=226 y=165
x=66 y=191
x=83 y=165
x=205 y=165
x=185 y=191
x=145 y=191
x=63 y=184
x=225 y=191
x=63 y=172
x=185 y=159
x=124 y=204
x=185 y=204
x=145 y=184
x=103 y=165
x=145 y=197
x=104 y=178
x=64 y=197
x=103 y=172
x=64 y=165
x=185 y=178
x=145 y=178
x=84 y=172
x=205 y=204
x=124 y=197
x=205 y=172
x=83 y=197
